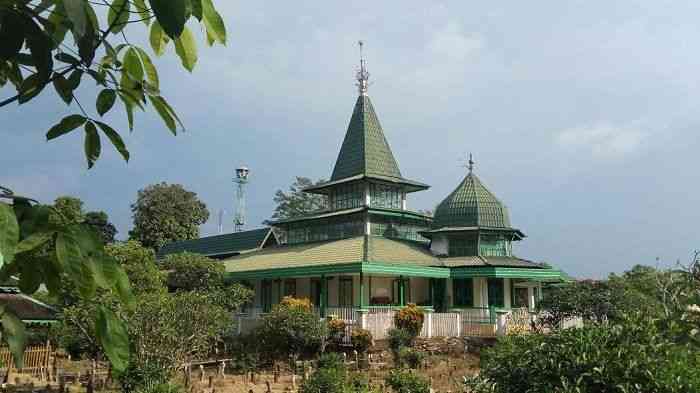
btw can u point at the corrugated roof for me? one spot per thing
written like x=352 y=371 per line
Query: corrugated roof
x=469 y=261
x=229 y=243
x=471 y=204
x=26 y=307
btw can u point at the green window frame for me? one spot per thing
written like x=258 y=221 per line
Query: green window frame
x=496 y=291
x=266 y=295
x=463 y=292
x=345 y=298
x=382 y=195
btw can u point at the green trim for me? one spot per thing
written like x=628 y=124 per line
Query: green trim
x=304 y=271
x=399 y=213
x=393 y=269
x=503 y=272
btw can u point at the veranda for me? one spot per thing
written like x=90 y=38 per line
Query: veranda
x=469 y=306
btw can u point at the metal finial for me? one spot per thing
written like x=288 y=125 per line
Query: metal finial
x=471 y=163
x=362 y=75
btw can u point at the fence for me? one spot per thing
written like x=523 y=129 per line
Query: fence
x=37 y=360
x=478 y=321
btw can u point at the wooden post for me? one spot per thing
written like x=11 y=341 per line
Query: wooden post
x=201 y=373
x=324 y=292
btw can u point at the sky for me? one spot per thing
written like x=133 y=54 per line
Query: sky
x=581 y=115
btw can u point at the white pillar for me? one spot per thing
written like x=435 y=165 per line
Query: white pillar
x=507 y=293
x=531 y=298
x=362 y=313
x=429 y=322
x=501 y=322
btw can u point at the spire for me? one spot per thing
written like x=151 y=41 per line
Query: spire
x=362 y=75
x=469 y=163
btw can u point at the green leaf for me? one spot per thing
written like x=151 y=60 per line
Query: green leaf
x=30 y=88
x=196 y=7
x=75 y=78
x=66 y=125
x=186 y=48
x=30 y=276
x=72 y=260
x=9 y=233
x=129 y=107
x=151 y=72
x=11 y=35
x=171 y=15
x=116 y=139
x=58 y=24
x=33 y=241
x=172 y=113
x=63 y=88
x=14 y=334
x=67 y=58
x=118 y=15
x=213 y=22
x=92 y=144
x=132 y=65
x=87 y=43
x=105 y=101
x=113 y=337
x=143 y=11
x=158 y=39
x=159 y=103
x=75 y=10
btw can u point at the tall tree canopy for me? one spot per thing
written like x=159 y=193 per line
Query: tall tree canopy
x=100 y=221
x=165 y=213
x=295 y=202
x=35 y=51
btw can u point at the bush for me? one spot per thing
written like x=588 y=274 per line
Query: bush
x=632 y=356
x=410 y=319
x=361 y=340
x=324 y=380
x=336 y=330
x=409 y=357
x=403 y=381
x=291 y=329
x=331 y=361
x=399 y=338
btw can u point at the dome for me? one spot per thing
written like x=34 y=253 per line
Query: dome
x=471 y=204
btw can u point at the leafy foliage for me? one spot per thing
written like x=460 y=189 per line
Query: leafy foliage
x=48 y=245
x=35 y=53
x=292 y=329
x=100 y=221
x=361 y=340
x=410 y=319
x=165 y=213
x=295 y=202
x=190 y=271
x=631 y=356
x=404 y=381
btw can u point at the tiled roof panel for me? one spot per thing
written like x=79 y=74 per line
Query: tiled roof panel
x=26 y=308
x=471 y=204
x=219 y=244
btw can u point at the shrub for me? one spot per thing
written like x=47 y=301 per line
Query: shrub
x=633 y=356
x=292 y=329
x=409 y=357
x=410 y=319
x=336 y=329
x=331 y=361
x=361 y=340
x=324 y=380
x=399 y=338
x=302 y=304
x=404 y=381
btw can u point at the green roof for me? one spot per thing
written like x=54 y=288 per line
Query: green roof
x=371 y=210
x=220 y=245
x=471 y=204
x=365 y=152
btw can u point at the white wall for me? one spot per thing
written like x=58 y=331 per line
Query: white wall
x=439 y=245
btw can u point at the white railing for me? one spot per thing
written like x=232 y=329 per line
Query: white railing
x=379 y=321
x=446 y=324
x=347 y=314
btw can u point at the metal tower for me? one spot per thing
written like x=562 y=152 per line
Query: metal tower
x=240 y=180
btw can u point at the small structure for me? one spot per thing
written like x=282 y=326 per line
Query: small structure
x=31 y=311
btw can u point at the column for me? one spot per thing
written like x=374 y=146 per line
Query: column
x=402 y=291
x=429 y=322
x=501 y=322
x=362 y=290
x=531 y=298
x=324 y=293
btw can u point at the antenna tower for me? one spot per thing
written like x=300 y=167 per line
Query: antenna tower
x=240 y=180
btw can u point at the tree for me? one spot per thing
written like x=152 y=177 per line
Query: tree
x=34 y=53
x=49 y=245
x=165 y=213
x=100 y=221
x=296 y=202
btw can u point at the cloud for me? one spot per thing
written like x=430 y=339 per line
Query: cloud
x=452 y=43
x=602 y=140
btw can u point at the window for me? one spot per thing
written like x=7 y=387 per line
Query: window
x=462 y=245
x=347 y=196
x=463 y=292
x=316 y=291
x=345 y=292
x=400 y=229
x=494 y=245
x=496 y=292
x=325 y=229
x=290 y=287
x=520 y=298
x=385 y=196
